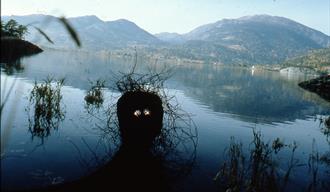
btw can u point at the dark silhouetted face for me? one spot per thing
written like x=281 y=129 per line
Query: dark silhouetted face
x=140 y=116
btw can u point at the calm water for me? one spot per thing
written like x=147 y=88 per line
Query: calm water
x=222 y=102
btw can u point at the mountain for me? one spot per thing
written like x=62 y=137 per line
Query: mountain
x=319 y=59
x=249 y=40
x=255 y=39
x=173 y=38
x=231 y=29
x=94 y=33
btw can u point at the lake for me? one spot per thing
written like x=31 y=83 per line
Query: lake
x=223 y=102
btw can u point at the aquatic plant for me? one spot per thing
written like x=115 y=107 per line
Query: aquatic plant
x=45 y=109
x=324 y=162
x=318 y=165
x=327 y=122
x=258 y=170
x=94 y=96
x=324 y=124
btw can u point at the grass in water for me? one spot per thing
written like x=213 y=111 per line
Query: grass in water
x=257 y=171
x=94 y=96
x=45 y=109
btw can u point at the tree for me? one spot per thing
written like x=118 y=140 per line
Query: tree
x=13 y=29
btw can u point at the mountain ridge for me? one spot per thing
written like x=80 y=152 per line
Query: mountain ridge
x=256 y=39
x=94 y=33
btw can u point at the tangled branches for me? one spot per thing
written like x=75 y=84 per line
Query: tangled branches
x=178 y=138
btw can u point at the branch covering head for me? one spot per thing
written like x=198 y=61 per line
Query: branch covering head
x=140 y=116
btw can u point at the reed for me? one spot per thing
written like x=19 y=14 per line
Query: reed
x=45 y=109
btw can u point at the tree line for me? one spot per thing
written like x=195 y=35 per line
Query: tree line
x=13 y=29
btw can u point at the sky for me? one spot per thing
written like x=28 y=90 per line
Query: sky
x=179 y=16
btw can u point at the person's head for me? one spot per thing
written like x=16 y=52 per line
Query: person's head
x=140 y=116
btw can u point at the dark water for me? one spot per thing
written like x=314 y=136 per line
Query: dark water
x=222 y=102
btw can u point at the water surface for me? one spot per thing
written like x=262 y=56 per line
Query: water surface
x=222 y=101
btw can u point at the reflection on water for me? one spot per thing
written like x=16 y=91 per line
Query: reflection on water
x=266 y=96
x=222 y=101
x=12 y=67
x=263 y=97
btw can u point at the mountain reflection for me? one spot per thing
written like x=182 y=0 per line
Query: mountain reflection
x=263 y=96
x=78 y=68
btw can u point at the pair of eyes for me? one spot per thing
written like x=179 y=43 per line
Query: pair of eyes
x=138 y=112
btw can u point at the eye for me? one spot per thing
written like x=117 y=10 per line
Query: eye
x=137 y=113
x=147 y=112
